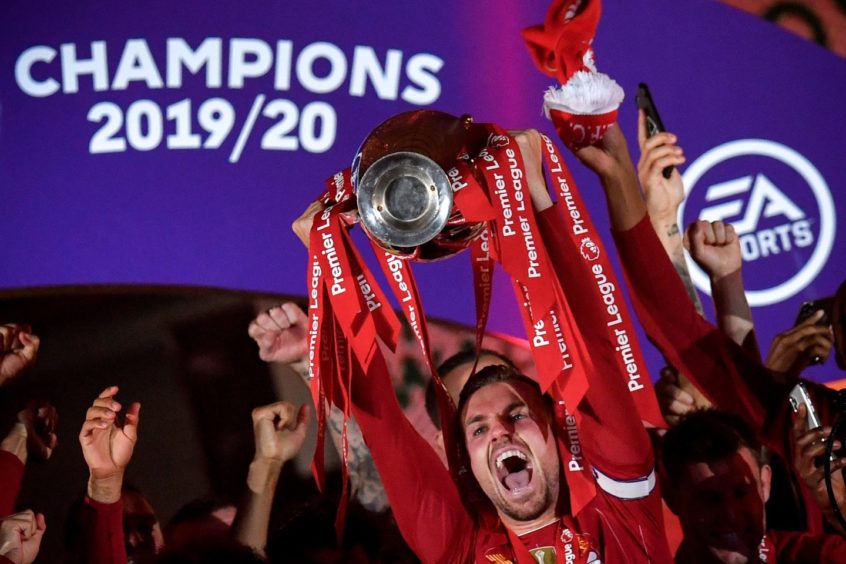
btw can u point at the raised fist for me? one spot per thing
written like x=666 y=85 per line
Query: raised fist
x=280 y=334
x=715 y=247
x=18 y=349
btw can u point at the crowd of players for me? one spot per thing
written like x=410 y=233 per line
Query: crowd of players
x=736 y=477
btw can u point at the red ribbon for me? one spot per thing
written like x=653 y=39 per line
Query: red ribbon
x=609 y=297
x=348 y=311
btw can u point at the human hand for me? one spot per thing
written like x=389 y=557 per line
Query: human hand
x=107 y=445
x=608 y=158
x=674 y=402
x=20 y=536
x=279 y=430
x=40 y=419
x=280 y=334
x=810 y=446
x=529 y=141
x=715 y=247
x=793 y=350
x=302 y=225
x=663 y=195
x=18 y=350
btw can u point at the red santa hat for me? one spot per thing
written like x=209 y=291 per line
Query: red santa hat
x=586 y=103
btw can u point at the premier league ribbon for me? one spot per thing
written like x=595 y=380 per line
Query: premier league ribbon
x=618 y=320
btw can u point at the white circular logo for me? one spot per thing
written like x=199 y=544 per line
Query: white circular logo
x=764 y=199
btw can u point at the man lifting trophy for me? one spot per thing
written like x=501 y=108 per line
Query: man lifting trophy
x=556 y=468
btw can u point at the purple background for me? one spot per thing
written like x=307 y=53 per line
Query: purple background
x=189 y=217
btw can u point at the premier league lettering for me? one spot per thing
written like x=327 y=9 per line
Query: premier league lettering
x=556 y=170
x=42 y=71
x=337 y=286
x=482 y=265
x=367 y=293
x=396 y=266
x=314 y=310
x=501 y=192
x=607 y=289
x=455 y=179
x=575 y=462
x=520 y=206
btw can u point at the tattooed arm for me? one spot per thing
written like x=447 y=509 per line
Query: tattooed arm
x=718 y=254
x=280 y=333
x=664 y=196
x=364 y=479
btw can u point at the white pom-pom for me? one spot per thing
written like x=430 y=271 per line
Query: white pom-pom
x=586 y=93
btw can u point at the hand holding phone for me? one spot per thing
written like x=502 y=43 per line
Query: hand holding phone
x=807 y=309
x=799 y=396
x=654 y=125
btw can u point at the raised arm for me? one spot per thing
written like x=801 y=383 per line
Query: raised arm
x=622 y=447
x=32 y=437
x=664 y=196
x=728 y=377
x=716 y=249
x=20 y=537
x=18 y=349
x=797 y=348
x=107 y=447
x=280 y=334
x=279 y=430
x=423 y=497
x=810 y=447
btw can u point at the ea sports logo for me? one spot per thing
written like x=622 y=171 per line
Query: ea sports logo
x=780 y=207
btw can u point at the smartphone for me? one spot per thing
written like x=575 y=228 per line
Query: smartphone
x=799 y=396
x=654 y=125
x=807 y=309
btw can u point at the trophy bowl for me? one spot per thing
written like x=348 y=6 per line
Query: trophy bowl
x=404 y=196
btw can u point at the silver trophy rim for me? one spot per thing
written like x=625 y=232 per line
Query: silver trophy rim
x=377 y=218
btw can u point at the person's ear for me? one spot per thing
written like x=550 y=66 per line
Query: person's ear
x=766 y=481
x=439 y=440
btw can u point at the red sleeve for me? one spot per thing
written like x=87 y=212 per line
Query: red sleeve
x=4 y=560
x=423 y=497
x=11 y=476
x=102 y=527
x=718 y=366
x=791 y=546
x=613 y=436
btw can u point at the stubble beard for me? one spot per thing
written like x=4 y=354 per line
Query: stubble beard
x=537 y=507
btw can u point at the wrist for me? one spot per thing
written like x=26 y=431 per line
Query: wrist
x=105 y=489
x=263 y=473
x=720 y=279
x=619 y=176
x=614 y=174
x=664 y=223
x=301 y=368
x=15 y=441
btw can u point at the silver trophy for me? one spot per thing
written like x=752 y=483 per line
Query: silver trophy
x=404 y=195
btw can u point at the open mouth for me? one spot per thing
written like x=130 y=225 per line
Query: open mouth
x=513 y=470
